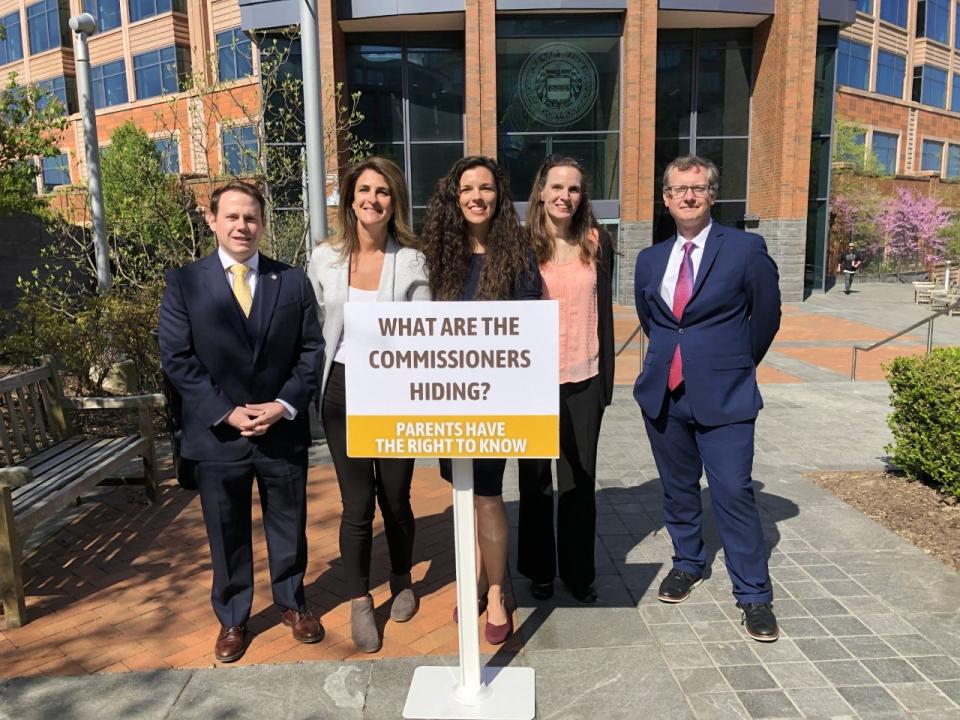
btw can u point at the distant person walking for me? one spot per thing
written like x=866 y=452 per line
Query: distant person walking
x=849 y=263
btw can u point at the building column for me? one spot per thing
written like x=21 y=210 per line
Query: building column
x=781 y=128
x=480 y=75
x=638 y=133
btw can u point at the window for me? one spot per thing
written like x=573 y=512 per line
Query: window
x=885 y=150
x=933 y=20
x=412 y=98
x=853 y=64
x=107 y=13
x=158 y=71
x=930 y=85
x=703 y=107
x=865 y=6
x=140 y=9
x=63 y=89
x=234 y=58
x=169 y=153
x=47 y=25
x=956 y=32
x=955 y=93
x=894 y=11
x=11 y=46
x=56 y=171
x=241 y=150
x=109 y=83
x=953 y=160
x=890 y=71
x=931 y=155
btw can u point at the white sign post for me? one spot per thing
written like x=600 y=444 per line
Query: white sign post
x=462 y=380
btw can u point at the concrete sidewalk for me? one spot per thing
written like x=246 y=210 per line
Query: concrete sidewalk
x=871 y=625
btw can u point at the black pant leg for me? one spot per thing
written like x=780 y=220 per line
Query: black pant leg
x=394 y=477
x=581 y=412
x=226 y=490
x=357 y=488
x=536 y=545
x=282 y=483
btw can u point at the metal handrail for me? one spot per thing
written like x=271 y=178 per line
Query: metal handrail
x=643 y=342
x=928 y=321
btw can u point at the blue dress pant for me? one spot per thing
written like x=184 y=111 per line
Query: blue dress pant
x=226 y=494
x=683 y=449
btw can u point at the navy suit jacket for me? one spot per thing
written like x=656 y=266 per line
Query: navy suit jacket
x=217 y=359
x=726 y=328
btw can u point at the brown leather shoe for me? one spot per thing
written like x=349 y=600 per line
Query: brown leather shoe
x=306 y=628
x=231 y=643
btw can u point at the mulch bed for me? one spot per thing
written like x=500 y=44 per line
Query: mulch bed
x=918 y=513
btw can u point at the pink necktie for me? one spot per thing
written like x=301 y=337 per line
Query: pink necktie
x=681 y=296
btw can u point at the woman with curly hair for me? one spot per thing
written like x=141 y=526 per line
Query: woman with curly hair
x=576 y=262
x=476 y=250
x=373 y=259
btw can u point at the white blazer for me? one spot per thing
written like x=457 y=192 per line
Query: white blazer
x=402 y=278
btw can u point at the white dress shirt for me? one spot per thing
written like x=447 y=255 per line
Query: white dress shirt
x=253 y=265
x=669 y=282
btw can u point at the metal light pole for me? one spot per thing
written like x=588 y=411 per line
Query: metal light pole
x=82 y=26
x=313 y=121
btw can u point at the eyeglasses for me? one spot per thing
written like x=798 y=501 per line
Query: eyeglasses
x=679 y=191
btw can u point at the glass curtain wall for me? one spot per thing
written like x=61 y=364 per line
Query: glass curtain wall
x=411 y=89
x=558 y=92
x=704 y=82
x=818 y=211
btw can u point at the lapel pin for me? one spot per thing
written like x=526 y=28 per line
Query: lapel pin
x=273 y=276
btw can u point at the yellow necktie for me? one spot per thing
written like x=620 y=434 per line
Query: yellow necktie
x=241 y=290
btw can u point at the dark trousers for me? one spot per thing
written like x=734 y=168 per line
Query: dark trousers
x=365 y=483
x=226 y=494
x=581 y=411
x=682 y=449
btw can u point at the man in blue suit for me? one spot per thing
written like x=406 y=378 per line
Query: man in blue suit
x=240 y=341
x=709 y=301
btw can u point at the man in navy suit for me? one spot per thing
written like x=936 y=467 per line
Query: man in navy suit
x=709 y=301
x=240 y=341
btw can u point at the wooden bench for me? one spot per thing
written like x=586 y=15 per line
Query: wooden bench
x=48 y=466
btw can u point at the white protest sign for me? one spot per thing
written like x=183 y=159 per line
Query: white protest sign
x=452 y=379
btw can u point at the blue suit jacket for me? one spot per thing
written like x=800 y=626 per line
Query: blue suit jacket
x=726 y=329
x=217 y=359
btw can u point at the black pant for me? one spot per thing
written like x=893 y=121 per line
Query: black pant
x=365 y=482
x=226 y=493
x=581 y=412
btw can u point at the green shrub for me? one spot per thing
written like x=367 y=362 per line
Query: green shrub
x=926 y=417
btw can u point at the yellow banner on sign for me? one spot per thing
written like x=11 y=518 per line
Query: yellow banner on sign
x=453 y=436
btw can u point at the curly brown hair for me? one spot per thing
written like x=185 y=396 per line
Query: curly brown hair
x=583 y=224
x=347 y=240
x=446 y=244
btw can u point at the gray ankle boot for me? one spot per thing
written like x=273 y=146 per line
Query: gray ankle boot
x=404 y=601
x=363 y=625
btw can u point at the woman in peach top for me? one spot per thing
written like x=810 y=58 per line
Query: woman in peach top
x=576 y=262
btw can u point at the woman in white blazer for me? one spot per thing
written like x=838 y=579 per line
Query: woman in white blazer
x=373 y=259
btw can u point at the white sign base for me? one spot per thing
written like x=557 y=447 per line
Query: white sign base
x=505 y=694
x=468 y=692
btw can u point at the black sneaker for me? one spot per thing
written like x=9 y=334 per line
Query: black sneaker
x=676 y=586
x=759 y=620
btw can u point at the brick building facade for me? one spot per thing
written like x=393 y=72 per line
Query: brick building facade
x=623 y=85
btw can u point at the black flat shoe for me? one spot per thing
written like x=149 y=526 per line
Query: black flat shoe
x=759 y=620
x=583 y=593
x=541 y=591
x=677 y=585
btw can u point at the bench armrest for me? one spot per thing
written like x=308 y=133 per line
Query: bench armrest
x=125 y=402
x=15 y=476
